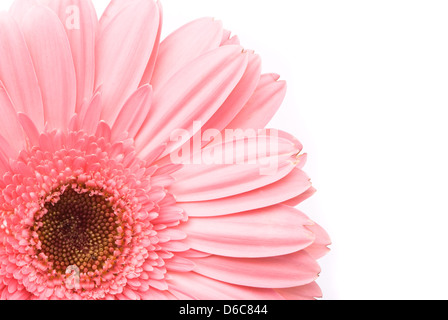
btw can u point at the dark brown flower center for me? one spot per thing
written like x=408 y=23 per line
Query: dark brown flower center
x=79 y=230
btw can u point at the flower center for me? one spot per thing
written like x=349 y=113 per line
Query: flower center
x=80 y=230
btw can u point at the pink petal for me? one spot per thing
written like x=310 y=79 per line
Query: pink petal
x=17 y=71
x=293 y=185
x=20 y=7
x=134 y=112
x=267 y=232
x=228 y=39
x=147 y=75
x=291 y=270
x=262 y=106
x=225 y=35
x=89 y=121
x=306 y=292
x=179 y=264
x=203 y=288
x=30 y=129
x=319 y=248
x=232 y=41
x=53 y=62
x=4 y=158
x=201 y=182
x=103 y=131
x=185 y=45
x=7 y=152
x=130 y=294
x=127 y=33
x=81 y=35
x=299 y=199
x=194 y=94
x=238 y=98
x=10 y=127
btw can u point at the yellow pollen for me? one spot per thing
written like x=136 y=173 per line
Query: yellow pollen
x=79 y=230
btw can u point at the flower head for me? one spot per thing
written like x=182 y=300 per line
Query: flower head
x=138 y=169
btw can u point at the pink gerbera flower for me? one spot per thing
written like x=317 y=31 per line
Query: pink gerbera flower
x=100 y=200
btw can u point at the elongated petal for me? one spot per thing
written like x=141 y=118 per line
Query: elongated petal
x=267 y=232
x=294 y=184
x=319 y=248
x=29 y=128
x=194 y=94
x=300 y=198
x=247 y=163
x=127 y=33
x=133 y=112
x=149 y=71
x=89 y=121
x=17 y=71
x=7 y=151
x=185 y=45
x=19 y=8
x=262 y=106
x=80 y=22
x=10 y=127
x=202 y=288
x=179 y=264
x=287 y=271
x=53 y=62
x=238 y=98
x=4 y=161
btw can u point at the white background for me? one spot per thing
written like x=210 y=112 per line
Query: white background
x=368 y=95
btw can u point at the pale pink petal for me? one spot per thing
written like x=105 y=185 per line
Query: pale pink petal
x=310 y=291
x=179 y=264
x=10 y=127
x=232 y=41
x=299 y=199
x=185 y=45
x=127 y=33
x=89 y=121
x=238 y=98
x=294 y=184
x=7 y=151
x=267 y=232
x=133 y=113
x=80 y=22
x=53 y=62
x=225 y=35
x=147 y=75
x=194 y=254
x=262 y=106
x=194 y=94
x=29 y=128
x=234 y=103
x=4 y=158
x=228 y=39
x=20 y=7
x=319 y=248
x=203 y=288
x=251 y=167
x=103 y=130
x=287 y=271
x=17 y=71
